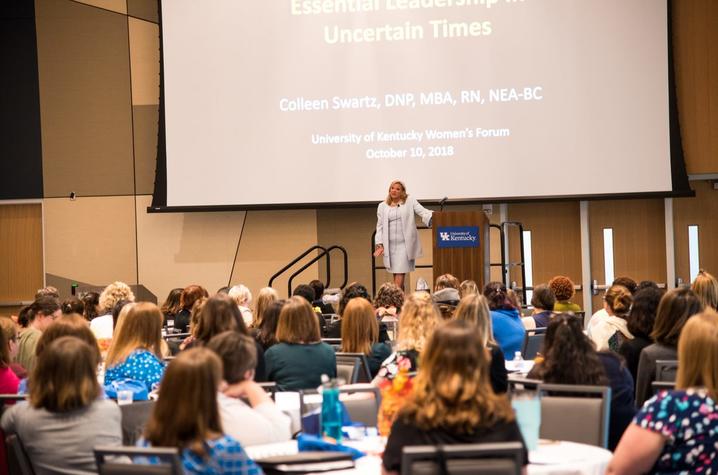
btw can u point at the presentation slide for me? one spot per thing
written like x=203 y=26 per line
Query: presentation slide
x=287 y=102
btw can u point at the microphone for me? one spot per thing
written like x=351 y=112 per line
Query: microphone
x=443 y=202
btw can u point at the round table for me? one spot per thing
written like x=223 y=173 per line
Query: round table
x=551 y=457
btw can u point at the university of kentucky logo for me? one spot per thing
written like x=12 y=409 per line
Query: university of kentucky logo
x=458 y=236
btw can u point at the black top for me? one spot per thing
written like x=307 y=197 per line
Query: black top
x=542 y=319
x=405 y=434
x=324 y=307
x=182 y=321
x=622 y=408
x=334 y=330
x=499 y=375
x=631 y=351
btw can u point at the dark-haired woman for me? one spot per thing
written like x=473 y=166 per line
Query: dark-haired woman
x=570 y=358
x=171 y=307
x=452 y=401
x=640 y=324
x=505 y=320
x=188 y=297
x=42 y=313
x=186 y=416
x=65 y=417
x=543 y=301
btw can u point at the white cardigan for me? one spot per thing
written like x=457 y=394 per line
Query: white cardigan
x=411 y=238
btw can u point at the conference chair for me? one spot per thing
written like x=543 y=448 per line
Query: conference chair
x=666 y=370
x=520 y=383
x=134 y=420
x=362 y=403
x=575 y=413
x=269 y=387
x=335 y=343
x=113 y=460
x=9 y=399
x=470 y=459
x=657 y=386
x=533 y=343
x=18 y=461
x=354 y=368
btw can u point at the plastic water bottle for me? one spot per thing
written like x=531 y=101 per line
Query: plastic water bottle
x=518 y=361
x=331 y=421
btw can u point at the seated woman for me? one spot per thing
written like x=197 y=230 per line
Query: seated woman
x=570 y=358
x=186 y=416
x=452 y=401
x=65 y=415
x=266 y=297
x=640 y=323
x=9 y=380
x=610 y=332
x=266 y=333
x=136 y=349
x=562 y=288
x=360 y=334
x=705 y=286
x=674 y=310
x=389 y=300
x=188 y=297
x=543 y=301
x=300 y=358
x=446 y=295
x=243 y=298
x=509 y=332
x=474 y=309
x=677 y=431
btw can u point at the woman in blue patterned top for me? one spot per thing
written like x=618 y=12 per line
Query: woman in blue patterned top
x=186 y=416
x=135 y=352
x=677 y=431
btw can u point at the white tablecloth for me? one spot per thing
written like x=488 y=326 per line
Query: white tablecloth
x=551 y=458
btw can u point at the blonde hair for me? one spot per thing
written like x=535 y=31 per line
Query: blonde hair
x=241 y=295
x=297 y=322
x=468 y=287
x=698 y=353
x=113 y=293
x=403 y=195
x=474 y=308
x=446 y=281
x=619 y=300
x=453 y=388
x=360 y=330
x=195 y=315
x=419 y=317
x=265 y=298
x=141 y=328
x=705 y=286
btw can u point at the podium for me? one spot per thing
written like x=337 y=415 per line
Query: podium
x=461 y=245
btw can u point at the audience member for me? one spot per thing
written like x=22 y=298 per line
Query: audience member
x=265 y=298
x=318 y=301
x=72 y=305
x=224 y=290
x=266 y=334
x=103 y=325
x=474 y=308
x=509 y=332
x=48 y=291
x=468 y=287
x=23 y=317
x=609 y=332
x=260 y=421
x=562 y=288
x=543 y=301
x=243 y=298
x=117 y=311
x=569 y=358
x=10 y=331
x=65 y=415
x=41 y=314
x=515 y=300
x=171 y=307
x=452 y=401
x=389 y=300
x=307 y=293
x=629 y=284
x=677 y=431
x=352 y=291
x=674 y=310
x=194 y=315
x=189 y=296
x=9 y=379
x=300 y=358
x=446 y=294
x=91 y=301
x=68 y=325
x=187 y=416
x=136 y=350
x=640 y=324
x=360 y=334
x=705 y=286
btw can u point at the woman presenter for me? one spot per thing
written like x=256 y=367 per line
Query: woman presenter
x=396 y=236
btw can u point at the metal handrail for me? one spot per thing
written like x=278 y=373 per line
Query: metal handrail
x=325 y=252
x=297 y=259
x=522 y=262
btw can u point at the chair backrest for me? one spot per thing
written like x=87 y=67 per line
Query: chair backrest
x=521 y=383
x=17 y=460
x=503 y=458
x=362 y=408
x=666 y=370
x=269 y=387
x=533 y=343
x=134 y=419
x=7 y=399
x=145 y=460
x=362 y=373
x=575 y=413
x=662 y=386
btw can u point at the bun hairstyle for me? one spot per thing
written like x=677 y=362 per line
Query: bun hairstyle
x=619 y=300
x=72 y=305
x=497 y=296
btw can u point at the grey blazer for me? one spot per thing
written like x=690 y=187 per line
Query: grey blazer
x=411 y=238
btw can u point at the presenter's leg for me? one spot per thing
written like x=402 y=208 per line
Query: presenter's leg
x=399 y=280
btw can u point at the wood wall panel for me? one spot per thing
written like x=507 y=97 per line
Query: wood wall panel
x=144 y=61
x=695 y=48
x=703 y=211
x=21 y=259
x=556 y=241
x=118 y=6
x=639 y=240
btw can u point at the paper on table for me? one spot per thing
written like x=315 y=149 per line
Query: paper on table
x=551 y=452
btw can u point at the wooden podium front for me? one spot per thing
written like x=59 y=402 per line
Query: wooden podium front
x=461 y=245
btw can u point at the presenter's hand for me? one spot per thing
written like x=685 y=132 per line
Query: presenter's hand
x=379 y=251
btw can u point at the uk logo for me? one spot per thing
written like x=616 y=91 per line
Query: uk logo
x=458 y=236
x=444 y=236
